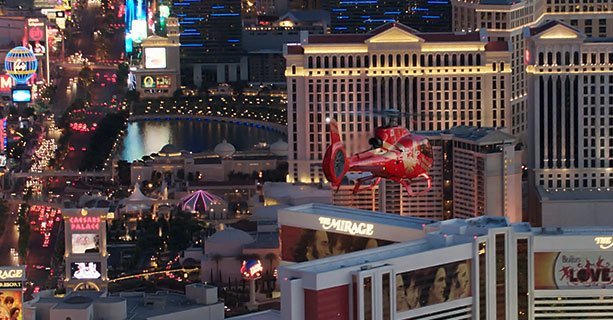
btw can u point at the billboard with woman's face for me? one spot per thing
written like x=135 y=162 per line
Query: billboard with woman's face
x=10 y=305
x=85 y=243
x=298 y=244
x=433 y=285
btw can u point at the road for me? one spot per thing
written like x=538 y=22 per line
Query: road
x=103 y=89
x=39 y=258
x=8 y=241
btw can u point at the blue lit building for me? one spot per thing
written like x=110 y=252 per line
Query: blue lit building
x=136 y=23
x=360 y=16
x=210 y=39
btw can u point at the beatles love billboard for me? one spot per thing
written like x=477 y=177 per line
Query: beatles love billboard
x=573 y=270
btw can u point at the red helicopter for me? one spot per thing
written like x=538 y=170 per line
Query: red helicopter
x=396 y=155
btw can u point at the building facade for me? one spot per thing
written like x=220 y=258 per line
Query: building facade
x=449 y=79
x=479 y=268
x=361 y=16
x=571 y=98
x=211 y=49
x=505 y=21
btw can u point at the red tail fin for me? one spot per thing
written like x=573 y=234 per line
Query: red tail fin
x=335 y=162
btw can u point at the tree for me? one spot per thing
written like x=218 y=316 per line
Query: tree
x=271 y=257
x=86 y=79
x=217 y=258
x=133 y=96
x=4 y=212
x=123 y=70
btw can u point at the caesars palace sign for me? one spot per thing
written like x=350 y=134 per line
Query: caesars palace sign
x=347 y=226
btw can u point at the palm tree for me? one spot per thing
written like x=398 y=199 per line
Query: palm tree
x=271 y=257
x=217 y=258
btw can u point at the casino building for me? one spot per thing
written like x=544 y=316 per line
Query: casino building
x=570 y=78
x=478 y=268
x=159 y=73
x=451 y=79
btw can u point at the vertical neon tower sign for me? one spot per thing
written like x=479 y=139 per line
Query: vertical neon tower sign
x=136 y=23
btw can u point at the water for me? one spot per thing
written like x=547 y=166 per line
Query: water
x=146 y=137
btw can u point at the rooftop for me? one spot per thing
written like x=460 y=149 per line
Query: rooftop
x=262 y=315
x=320 y=209
x=563 y=194
x=139 y=310
x=480 y=135
x=264 y=240
x=500 y=2
x=427 y=37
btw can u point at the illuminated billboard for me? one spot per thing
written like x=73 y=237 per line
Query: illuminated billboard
x=21 y=95
x=84 y=223
x=573 y=270
x=299 y=244
x=85 y=270
x=156 y=82
x=6 y=84
x=11 y=304
x=37 y=36
x=11 y=299
x=252 y=269
x=155 y=58
x=139 y=30
x=85 y=242
x=433 y=285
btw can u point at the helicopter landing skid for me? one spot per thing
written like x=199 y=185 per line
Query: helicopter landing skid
x=357 y=188
x=407 y=185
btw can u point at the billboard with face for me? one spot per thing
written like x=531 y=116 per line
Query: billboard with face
x=11 y=304
x=85 y=242
x=85 y=270
x=155 y=58
x=298 y=244
x=433 y=285
x=573 y=270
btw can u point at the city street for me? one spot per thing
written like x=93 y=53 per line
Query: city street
x=8 y=242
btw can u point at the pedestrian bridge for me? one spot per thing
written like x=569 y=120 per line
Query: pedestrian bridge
x=63 y=173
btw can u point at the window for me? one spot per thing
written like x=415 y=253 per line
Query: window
x=500 y=276
x=367 y=289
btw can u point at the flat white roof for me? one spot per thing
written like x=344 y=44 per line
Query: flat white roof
x=262 y=315
x=377 y=217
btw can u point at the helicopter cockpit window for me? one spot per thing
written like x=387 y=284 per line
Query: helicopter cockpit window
x=425 y=148
x=375 y=142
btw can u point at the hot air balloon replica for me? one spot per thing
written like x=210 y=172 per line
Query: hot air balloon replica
x=21 y=64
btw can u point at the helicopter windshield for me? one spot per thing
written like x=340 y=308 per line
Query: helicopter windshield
x=425 y=148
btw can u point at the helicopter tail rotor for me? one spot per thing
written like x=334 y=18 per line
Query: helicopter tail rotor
x=335 y=163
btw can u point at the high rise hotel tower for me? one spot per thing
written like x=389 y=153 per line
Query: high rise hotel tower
x=449 y=79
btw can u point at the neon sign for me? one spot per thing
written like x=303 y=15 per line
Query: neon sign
x=84 y=223
x=252 y=269
x=604 y=243
x=156 y=82
x=11 y=274
x=347 y=226
x=10 y=285
x=6 y=83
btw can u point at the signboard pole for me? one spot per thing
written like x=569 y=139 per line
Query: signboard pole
x=47 y=73
x=252 y=305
